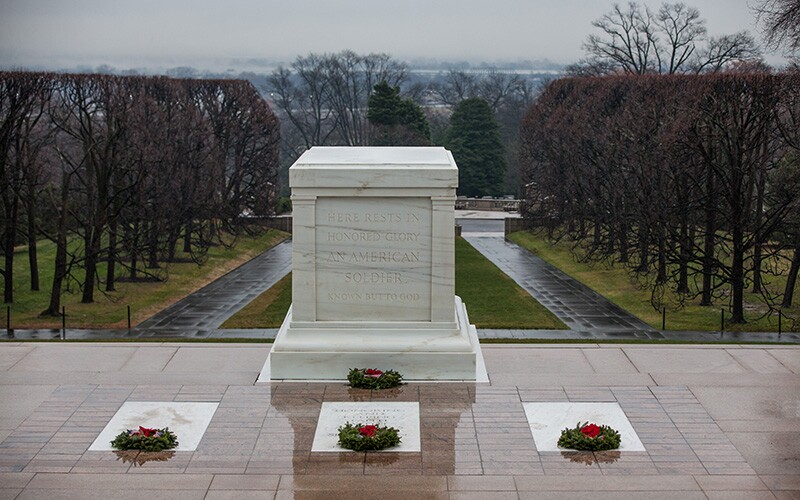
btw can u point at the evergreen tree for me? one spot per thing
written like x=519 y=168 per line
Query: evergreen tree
x=396 y=121
x=474 y=140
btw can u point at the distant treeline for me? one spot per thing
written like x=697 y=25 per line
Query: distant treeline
x=691 y=182
x=130 y=167
x=323 y=100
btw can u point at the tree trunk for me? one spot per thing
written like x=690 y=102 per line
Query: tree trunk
x=596 y=234
x=758 y=250
x=112 y=255
x=187 y=238
x=172 y=244
x=33 y=259
x=10 y=236
x=683 y=269
x=152 y=258
x=788 y=292
x=737 y=275
x=61 y=253
x=709 y=242
x=612 y=237
x=92 y=249
x=623 y=245
x=661 y=276
x=644 y=251
x=757 y=259
x=134 y=250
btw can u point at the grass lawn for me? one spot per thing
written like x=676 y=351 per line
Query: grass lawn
x=616 y=285
x=145 y=298
x=493 y=299
x=267 y=310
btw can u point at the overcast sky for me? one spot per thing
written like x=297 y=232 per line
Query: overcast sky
x=139 y=33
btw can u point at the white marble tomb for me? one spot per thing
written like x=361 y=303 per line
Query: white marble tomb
x=373 y=281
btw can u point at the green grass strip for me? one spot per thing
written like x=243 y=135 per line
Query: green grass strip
x=493 y=299
x=615 y=284
x=145 y=298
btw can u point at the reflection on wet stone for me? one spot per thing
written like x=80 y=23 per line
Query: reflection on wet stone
x=358 y=394
x=139 y=458
x=445 y=412
x=591 y=458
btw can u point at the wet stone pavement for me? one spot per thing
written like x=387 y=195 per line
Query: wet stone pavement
x=579 y=307
x=465 y=429
x=209 y=307
x=715 y=423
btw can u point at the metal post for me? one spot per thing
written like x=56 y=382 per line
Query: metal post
x=721 y=320
x=8 y=320
x=129 y=317
x=664 y=318
x=780 y=317
x=63 y=323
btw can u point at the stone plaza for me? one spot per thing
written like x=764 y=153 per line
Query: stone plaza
x=476 y=421
x=714 y=421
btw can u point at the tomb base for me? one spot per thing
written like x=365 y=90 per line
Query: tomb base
x=327 y=350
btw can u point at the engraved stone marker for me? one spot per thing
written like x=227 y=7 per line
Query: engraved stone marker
x=373 y=267
x=547 y=420
x=402 y=416
x=188 y=421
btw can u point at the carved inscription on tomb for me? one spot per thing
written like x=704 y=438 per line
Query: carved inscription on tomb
x=373 y=258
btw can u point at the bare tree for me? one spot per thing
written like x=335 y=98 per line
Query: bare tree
x=683 y=29
x=727 y=50
x=300 y=93
x=781 y=23
x=628 y=39
x=457 y=86
x=687 y=181
x=21 y=97
x=322 y=98
x=635 y=40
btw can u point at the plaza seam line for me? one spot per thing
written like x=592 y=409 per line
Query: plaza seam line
x=738 y=363
x=779 y=361
x=170 y=359
x=586 y=358
x=20 y=359
x=631 y=361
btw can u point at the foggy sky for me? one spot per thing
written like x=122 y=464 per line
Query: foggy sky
x=138 y=33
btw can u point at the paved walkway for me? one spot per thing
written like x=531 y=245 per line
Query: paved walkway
x=588 y=315
x=579 y=307
x=716 y=423
x=572 y=302
x=209 y=307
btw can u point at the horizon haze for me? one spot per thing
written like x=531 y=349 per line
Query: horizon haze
x=50 y=34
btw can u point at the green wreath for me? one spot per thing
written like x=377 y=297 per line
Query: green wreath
x=590 y=437
x=144 y=439
x=360 y=437
x=372 y=378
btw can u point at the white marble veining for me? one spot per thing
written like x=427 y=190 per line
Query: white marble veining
x=402 y=416
x=188 y=421
x=547 y=420
x=374 y=267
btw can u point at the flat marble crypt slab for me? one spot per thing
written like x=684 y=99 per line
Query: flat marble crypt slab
x=402 y=416
x=188 y=421
x=547 y=420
